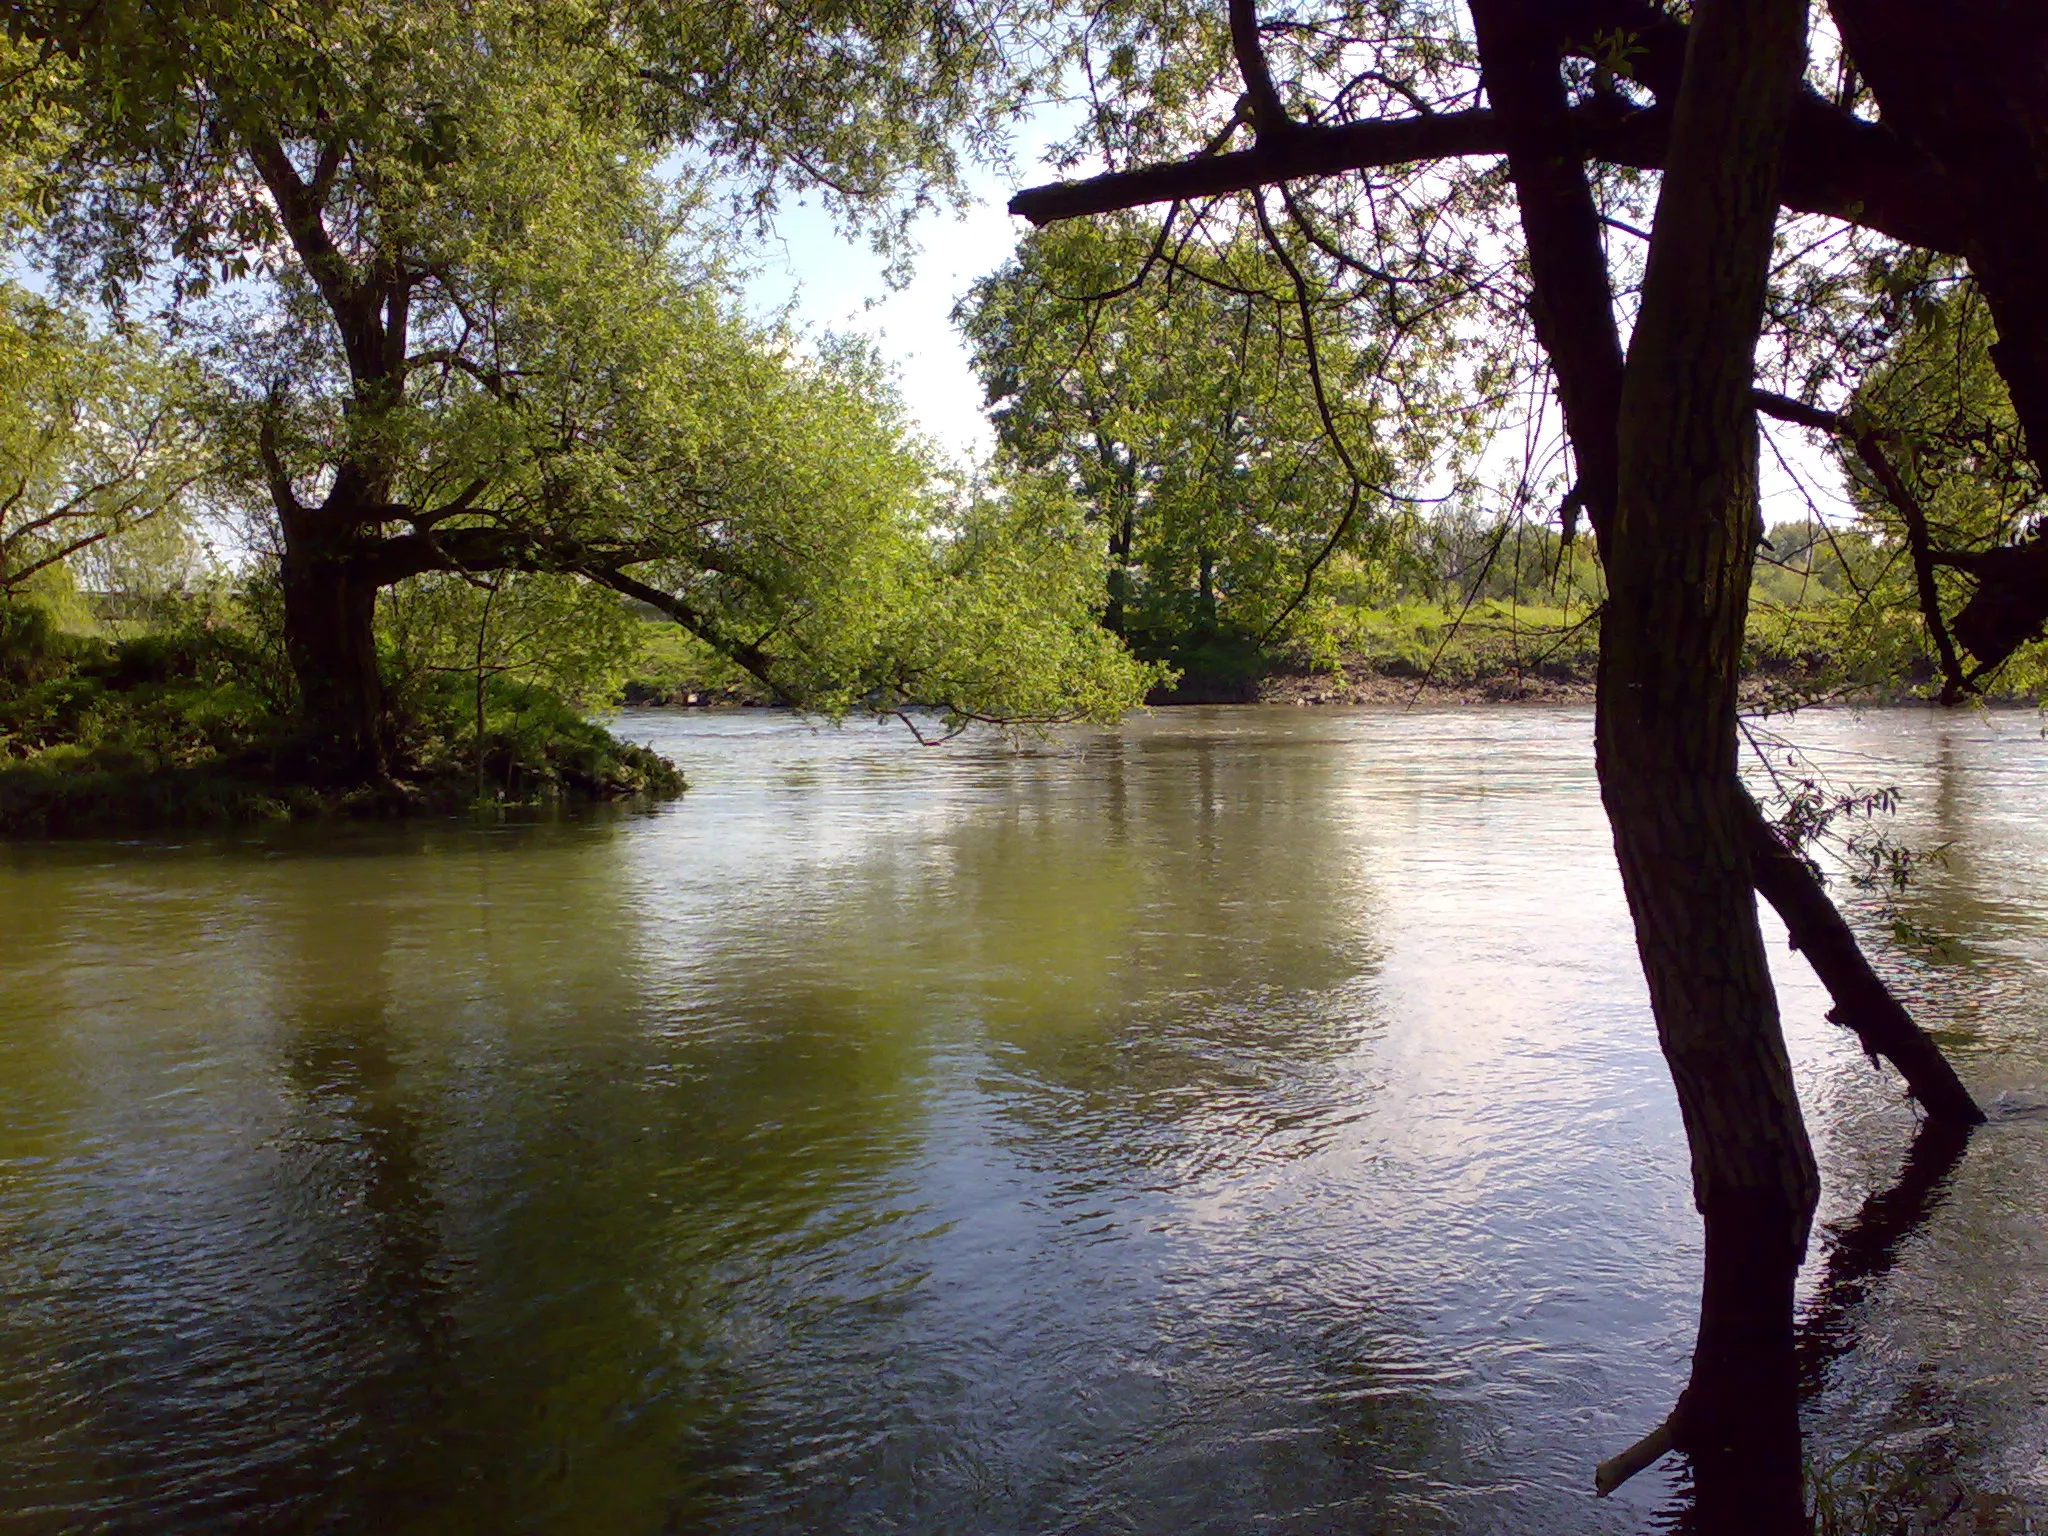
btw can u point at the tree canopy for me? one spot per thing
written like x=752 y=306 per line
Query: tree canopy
x=460 y=318
x=1222 y=460
x=96 y=437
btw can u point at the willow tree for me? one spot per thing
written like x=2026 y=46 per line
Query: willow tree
x=461 y=323
x=96 y=438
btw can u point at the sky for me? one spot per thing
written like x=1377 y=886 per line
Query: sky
x=838 y=284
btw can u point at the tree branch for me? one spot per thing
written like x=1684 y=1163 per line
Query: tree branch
x=752 y=657
x=1262 y=99
x=1835 y=164
x=1870 y=449
x=1863 y=1003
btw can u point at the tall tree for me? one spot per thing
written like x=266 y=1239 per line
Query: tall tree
x=1577 y=100
x=1679 y=552
x=460 y=328
x=1222 y=462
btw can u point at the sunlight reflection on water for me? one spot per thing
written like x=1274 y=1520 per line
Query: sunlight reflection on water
x=1243 y=1119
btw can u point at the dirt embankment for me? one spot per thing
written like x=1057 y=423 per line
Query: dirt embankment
x=1386 y=680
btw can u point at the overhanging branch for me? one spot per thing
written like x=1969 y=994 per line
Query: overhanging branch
x=1835 y=164
x=1919 y=541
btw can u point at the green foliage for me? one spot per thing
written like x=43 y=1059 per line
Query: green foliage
x=1463 y=642
x=96 y=447
x=1937 y=402
x=184 y=725
x=999 y=624
x=1185 y=417
x=456 y=321
x=1837 y=610
x=1457 y=557
x=559 y=633
x=670 y=665
x=864 y=101
x=1806 y=564
x=534 y=748
x=150 y=703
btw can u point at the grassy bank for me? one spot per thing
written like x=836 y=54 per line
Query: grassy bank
x=195 y=726
x=1497 y=652
x=1490 y=652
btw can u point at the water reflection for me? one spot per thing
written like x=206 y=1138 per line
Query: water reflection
x=1244 y=1120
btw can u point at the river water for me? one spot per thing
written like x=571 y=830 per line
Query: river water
x=1245 y=1120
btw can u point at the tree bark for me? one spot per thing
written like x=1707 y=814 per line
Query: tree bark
x=1679 y=563
x=330 y=612
x=1572 y=307
x=1965 y=83
x=1570 y=302
x=1863 y=1003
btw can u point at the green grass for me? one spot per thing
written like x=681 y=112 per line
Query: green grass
x=1488 y=639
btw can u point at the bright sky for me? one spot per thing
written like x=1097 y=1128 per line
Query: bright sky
x=838 y=285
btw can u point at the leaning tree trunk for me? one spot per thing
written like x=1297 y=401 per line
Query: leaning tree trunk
x=1572 y=305
x=330 y=609
x=1679 y=565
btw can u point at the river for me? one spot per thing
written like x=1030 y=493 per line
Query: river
x=1243 y=1120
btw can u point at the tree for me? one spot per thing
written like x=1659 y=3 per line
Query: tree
x=95 y=438
x=1679 y=547
x=1183 y=416
x=457 y=327
x=1381 y=109
x=558 y=631
x=1939 y=470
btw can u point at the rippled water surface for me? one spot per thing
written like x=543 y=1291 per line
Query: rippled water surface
x=1244 y=1120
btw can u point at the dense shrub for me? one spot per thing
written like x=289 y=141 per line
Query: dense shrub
x=188 y=726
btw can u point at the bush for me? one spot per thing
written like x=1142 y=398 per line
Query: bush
x=534 y=747
x=184 y=726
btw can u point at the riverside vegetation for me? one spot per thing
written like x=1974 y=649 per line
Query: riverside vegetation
x=491 y=443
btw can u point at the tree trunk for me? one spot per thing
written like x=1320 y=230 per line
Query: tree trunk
x=1572 y=306
x=1115 y=616
x=1670 y=644
x=1966 y=84
x=1570 y=299
x=330 y=610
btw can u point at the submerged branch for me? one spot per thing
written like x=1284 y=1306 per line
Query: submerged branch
x=1646 y=1452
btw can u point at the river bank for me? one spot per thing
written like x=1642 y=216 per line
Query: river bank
x=192 y=729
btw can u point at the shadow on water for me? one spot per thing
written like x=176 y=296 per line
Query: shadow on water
x=1863 y=1250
